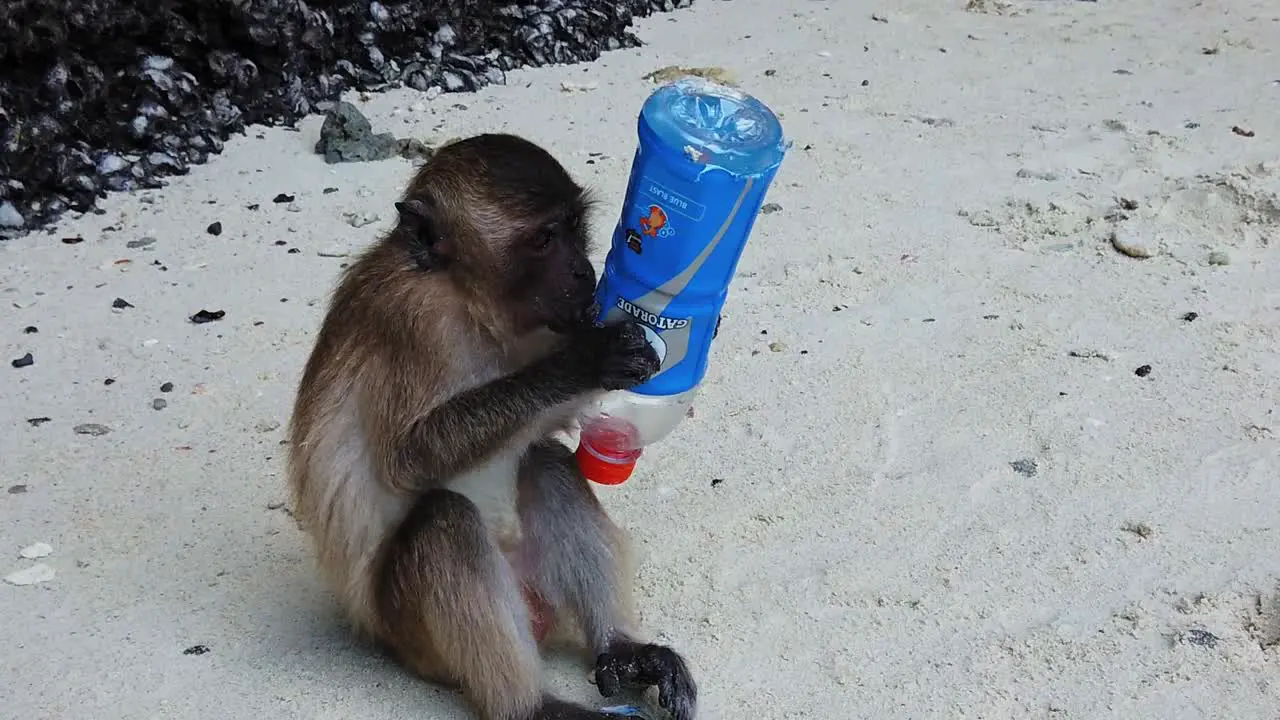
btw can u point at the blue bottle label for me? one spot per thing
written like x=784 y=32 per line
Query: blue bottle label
x=674 y=252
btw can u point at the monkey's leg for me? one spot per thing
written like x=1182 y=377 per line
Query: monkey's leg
x=452 y=610
x=573 y=552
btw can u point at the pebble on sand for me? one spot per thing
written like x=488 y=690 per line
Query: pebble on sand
x=92 y=429
x=35 y=551
x=205 y=316
x=25 y=361
x=1026 y=467
x=33 y=575
x=1130 y=247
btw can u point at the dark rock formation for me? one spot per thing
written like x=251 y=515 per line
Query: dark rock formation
x=109 y=95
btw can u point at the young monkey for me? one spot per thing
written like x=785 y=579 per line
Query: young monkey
x=452 y=528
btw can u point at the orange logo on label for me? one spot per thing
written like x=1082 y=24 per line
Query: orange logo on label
x=653 y=222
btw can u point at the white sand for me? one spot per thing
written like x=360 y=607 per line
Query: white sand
x=870 y=553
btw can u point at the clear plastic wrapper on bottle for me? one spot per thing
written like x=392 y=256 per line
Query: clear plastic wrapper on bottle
x=616 y=427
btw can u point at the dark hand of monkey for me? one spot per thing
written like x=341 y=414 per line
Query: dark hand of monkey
x=613 y=357
x=640 y=666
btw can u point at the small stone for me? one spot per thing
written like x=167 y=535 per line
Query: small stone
x=35 y=551
x=282 y=198
x=1219 y=257
x=206 y=316
x=777 y=346
x=10 y=217
x=33 y=575
x=166 y=387
x=25 y=361
x=38 y=421
x=1141 y=529
x=1203 y=638
x=266 y=426
x=412 y=149
x=17 y=489
x=138 y=244
x=770 y=208
x=1129 y=247
x=359 y=220
x=120 y=304
x=196 y=650
x=1026 y=467
x=214 y=229
x=1143 y=371
x=30 y=330
x=159 y=404
x=93 y=429
x=572 y=87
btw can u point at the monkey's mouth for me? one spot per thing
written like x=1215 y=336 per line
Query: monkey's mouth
x=574 y=313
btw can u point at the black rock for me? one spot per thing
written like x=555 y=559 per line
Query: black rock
x=99 y=96
x=206 y=316
x=347 y=136
x=24 y=361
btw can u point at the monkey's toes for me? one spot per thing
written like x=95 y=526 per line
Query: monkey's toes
x=649 y=665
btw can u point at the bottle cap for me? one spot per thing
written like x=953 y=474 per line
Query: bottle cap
x=604 y=469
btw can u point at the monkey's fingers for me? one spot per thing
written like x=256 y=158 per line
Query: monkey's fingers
x=607 y=681
x=677 y=696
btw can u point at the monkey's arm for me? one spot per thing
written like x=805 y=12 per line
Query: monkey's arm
x=477 y=422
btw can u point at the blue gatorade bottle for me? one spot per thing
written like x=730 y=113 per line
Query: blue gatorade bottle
x=706 y=157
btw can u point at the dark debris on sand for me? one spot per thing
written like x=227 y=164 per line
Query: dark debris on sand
x=111 y=95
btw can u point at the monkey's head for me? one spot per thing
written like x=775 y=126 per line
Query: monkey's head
x=503 y=219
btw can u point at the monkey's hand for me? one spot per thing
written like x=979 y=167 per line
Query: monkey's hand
x=641 y=666
x=616 y=356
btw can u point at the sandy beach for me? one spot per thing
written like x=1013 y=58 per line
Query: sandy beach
x=991 y=428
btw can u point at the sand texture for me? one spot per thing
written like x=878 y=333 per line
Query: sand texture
x=991 y=430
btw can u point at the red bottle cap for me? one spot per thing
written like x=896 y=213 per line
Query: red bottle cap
x=603 y=470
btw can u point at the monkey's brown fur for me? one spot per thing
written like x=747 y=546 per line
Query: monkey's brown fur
x=420 y=459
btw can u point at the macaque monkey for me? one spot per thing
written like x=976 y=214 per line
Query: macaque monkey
x=454 y=530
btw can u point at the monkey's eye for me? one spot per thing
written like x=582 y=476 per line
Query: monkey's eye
x=544 y=238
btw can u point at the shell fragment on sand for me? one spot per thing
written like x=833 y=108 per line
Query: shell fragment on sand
x=36 y=550
x=33 y=575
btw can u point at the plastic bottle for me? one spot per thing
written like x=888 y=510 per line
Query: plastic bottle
x=705 y=159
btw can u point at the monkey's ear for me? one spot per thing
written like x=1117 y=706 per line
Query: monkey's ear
x=417 y=225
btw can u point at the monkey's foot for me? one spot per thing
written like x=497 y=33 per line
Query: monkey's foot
x=641 y=666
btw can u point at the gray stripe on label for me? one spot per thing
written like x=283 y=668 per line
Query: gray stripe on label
x=653 y=300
